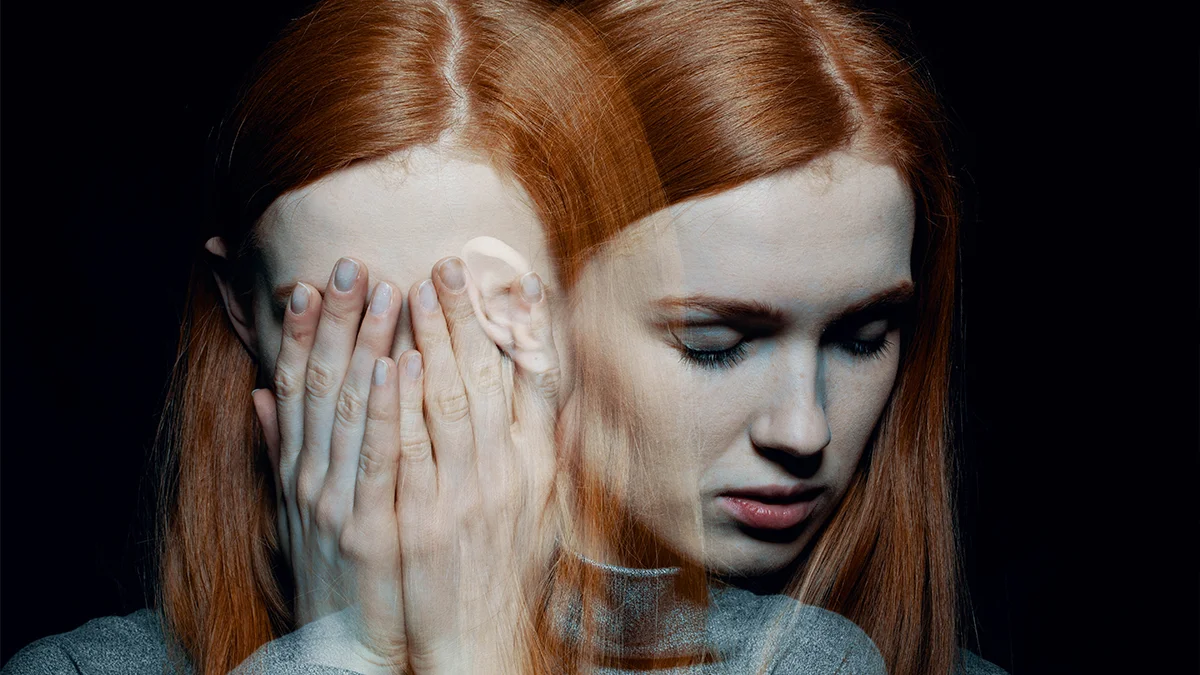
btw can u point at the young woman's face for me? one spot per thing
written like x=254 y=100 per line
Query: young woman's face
x=751 y=337
x=399 y=216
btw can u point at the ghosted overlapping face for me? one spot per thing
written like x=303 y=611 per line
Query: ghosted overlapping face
x=751 y=337
x=398 y=215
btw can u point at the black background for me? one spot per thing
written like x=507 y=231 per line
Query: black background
x=1074 y=137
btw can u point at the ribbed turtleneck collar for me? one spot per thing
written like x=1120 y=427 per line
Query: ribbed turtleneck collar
x=665 y=615
x=641 y=613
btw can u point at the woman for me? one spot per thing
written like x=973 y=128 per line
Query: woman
x=392 y=132
x=793 y=346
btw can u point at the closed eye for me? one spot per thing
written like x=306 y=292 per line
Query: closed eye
x=866 y=340
x=709 y=345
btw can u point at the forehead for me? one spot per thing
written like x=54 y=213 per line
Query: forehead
x=834 y=231
x=399 y=215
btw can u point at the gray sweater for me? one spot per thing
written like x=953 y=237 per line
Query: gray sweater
x=739 y=631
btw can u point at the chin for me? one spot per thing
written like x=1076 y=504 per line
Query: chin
x=740 y=555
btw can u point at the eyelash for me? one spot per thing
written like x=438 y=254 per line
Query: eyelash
x=866 y=349
x=728 y=358
x=722 y=358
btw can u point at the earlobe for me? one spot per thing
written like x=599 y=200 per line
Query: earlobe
x=239 y=315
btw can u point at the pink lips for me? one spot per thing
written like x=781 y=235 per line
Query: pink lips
x=768 y=508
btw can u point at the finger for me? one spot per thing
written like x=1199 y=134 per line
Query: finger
x=417 y=475
x=538 y=373
x=479 y=364
x=352 y=410
x=341 y=311
x=375 y=485
x=299 y=332
x=402 y=339
x=265 y=411
x=447 y=410
x=268 y=419
x=421 y=538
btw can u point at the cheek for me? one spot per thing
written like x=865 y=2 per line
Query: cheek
x=856 y=397
x=629 y=411
x=269 y=335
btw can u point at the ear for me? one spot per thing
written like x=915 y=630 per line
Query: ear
x=493 y=265
x=239 y=314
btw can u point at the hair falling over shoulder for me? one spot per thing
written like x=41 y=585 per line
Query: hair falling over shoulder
x=733 y=90
x=217 y=592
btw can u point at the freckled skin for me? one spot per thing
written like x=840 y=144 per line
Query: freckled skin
x=810 y=242
x=399 y=215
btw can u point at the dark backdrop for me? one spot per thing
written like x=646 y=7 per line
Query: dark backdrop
x=1074 y=137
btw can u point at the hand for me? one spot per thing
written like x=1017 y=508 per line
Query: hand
x=476 y=471
x=332 y=430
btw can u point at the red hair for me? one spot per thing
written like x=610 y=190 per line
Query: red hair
x=527 y=88
x=733 y=90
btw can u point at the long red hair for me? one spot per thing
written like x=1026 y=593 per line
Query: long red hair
x=733 y=90
x=527 y=87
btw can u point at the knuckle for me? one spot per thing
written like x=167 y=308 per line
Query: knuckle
x=371 y=462
x=415 y=448
x=288 y=384
x=321 y=380
x=307 y=492
x=489 y=378
x=452 y=406
x=458 y=309
x=351 y=543
x=328 y=512
x=350 y=408
x=547 y=382
x=297 y=330
x=340 y=314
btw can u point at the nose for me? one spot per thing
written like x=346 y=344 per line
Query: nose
x=792 y=428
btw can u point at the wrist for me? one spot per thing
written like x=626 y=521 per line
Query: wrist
x=333 y=640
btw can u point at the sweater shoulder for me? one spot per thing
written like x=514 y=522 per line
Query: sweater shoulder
x=800 y=638
x=111 y=644
x=971 y=663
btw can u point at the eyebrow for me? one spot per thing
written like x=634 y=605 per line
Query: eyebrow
x=284 y=291
x=744 y=311
x=896 y=298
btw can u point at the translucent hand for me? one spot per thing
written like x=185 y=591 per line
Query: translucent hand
x=476 y=471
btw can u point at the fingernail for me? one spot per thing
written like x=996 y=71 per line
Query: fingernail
x=427 y=296
x=531 y=287
x=344 y=274
x=452 y=275
x=299 y=299
x=381 y=299
x=253 y=392
x=380 y=374
x=412 y=367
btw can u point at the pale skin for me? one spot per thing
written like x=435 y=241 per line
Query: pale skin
x=386 y=454
x=796 y=397
x=729 y=397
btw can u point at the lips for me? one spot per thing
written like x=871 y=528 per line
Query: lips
x=770 y=507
